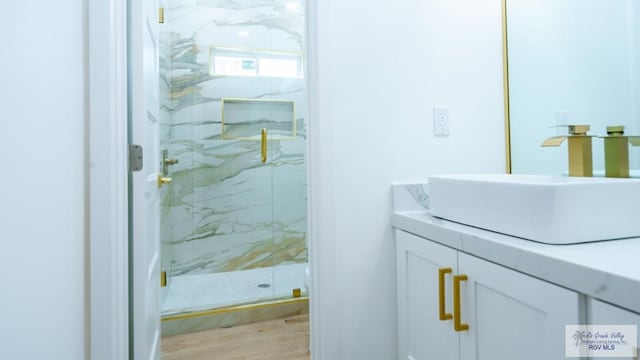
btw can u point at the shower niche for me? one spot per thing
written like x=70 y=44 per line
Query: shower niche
x=245 y=119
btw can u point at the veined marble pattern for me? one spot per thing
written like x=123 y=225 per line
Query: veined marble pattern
x=410 y=197
x=419 y=193
x=226 y=210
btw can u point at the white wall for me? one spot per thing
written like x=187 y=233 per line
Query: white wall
x=377 y=84
x=42 y=190
x=382 y=67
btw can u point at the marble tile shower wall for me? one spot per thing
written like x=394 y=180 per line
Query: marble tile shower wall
x=225 y=210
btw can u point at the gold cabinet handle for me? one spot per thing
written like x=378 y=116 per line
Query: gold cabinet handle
x=264 y=145
x=441 y=272
x=163 y=180
x=457 y=324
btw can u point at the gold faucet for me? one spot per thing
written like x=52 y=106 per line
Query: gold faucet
x=616 y=151
x=580 y=158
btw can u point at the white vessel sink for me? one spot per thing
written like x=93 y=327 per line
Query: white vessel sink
x=547 y=209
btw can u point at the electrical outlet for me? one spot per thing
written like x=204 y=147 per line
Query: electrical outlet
x=440 y=121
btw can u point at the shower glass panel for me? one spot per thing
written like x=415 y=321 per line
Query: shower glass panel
x=234 y=219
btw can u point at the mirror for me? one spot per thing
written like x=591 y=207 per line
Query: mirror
x=570 y=62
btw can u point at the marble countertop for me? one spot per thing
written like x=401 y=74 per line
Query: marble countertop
x=607 y=270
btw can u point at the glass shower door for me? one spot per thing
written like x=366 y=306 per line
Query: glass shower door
x=234 y=227
x=289 y=181
x=278 y=237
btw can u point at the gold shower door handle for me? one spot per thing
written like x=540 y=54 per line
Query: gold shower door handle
x=457 y=323
x=163 y=180
x=166 y=162
x=163 y=278
x=264 y=145
x=442 y=313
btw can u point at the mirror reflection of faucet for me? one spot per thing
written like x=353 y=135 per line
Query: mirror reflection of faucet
x=580 y=156
x=616 y=151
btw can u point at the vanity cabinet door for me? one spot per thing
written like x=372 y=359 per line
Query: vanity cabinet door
x=421 y=333
x=601 y=313
x=512 y=315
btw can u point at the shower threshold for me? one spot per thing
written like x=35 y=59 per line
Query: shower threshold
x=192 y=293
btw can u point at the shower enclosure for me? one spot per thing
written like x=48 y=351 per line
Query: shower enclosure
x=234 y=216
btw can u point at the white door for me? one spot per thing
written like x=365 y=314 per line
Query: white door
x=422 y=334
x=145 y=219
x=512 y=315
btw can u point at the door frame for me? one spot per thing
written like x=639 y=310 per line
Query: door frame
x=108 y=178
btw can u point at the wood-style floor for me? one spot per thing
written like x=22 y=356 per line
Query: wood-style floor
x=283 y=339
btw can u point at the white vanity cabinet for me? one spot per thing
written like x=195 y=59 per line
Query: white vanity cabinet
x=509 y=315
x=601 y=313
x=421 y=333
